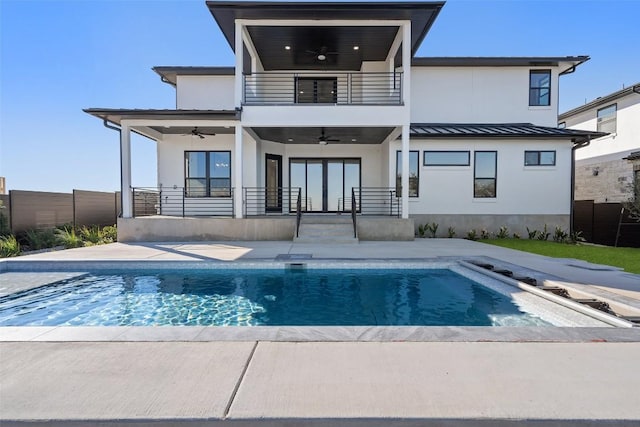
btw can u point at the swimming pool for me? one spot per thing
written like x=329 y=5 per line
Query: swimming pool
x=271 y=297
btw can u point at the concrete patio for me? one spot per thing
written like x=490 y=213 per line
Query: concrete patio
x=445 y=377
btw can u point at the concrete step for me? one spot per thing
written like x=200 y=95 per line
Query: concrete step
x=326 y=219
x=326 y=231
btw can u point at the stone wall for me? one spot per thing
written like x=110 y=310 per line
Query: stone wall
x=604 y=181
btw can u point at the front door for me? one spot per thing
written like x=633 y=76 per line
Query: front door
x=273 y=180
x=326 y=183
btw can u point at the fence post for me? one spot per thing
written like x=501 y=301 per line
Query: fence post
x=133 y=202
x=184 y=192
x=73 y=207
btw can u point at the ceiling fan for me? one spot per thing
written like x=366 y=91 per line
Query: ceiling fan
x=323 y=139
x=198 y=133
x=322 y=53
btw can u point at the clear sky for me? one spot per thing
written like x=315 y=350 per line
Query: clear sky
x=58 y=57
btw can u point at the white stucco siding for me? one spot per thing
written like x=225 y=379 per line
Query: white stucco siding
x=520 y=190
x=478 y=95
x=626 y=138
x=205 y=93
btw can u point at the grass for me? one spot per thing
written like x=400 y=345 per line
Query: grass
x=627 y=258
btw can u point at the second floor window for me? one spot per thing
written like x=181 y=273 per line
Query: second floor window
x=539 y=88
x=607 y=118
x=316 y=90
x=207 y=173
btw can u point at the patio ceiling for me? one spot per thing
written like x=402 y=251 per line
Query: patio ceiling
x=311 y=135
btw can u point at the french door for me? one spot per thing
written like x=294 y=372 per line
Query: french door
x=326 y=183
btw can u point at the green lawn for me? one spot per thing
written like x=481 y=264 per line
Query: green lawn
x=627 y=258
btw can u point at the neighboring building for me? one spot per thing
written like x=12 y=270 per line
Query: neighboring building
x=3 y=185
x=606 y=168
x=327 y=104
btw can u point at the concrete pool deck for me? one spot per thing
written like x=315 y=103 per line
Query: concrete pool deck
x=451 y=379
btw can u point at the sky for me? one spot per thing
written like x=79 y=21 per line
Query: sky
x=58 y=57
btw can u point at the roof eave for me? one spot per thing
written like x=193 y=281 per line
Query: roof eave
x=601 y=101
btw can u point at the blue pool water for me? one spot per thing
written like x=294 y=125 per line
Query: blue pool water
x=264 y=297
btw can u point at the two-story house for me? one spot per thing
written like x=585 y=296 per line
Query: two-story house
x=328 y=113
x=605 y=169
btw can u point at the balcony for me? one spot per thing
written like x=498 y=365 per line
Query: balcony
x=310 y=88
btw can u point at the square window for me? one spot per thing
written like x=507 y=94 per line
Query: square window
x=207 y=173
x=607 y=119
x=539 y=158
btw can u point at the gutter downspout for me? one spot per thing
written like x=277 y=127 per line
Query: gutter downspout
x=573 y=180
x=106 y=124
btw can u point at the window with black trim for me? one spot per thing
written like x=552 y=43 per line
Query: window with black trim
x=414 y=173
x=485 y=174
x=539 y=158
x=539 y=88
x=207 y=173
x=446 y=158
x=607 y=118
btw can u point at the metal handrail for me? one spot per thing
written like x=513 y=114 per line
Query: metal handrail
x=175 y=201
x=360 y=88
x=298 y=212
x=353 y=212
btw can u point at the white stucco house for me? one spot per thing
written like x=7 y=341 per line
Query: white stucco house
x=606 y=168
x=327 y=115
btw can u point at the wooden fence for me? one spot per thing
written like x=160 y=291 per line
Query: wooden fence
x=599 y=223
x=37 y=209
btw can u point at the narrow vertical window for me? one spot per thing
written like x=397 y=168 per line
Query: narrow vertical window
x=607 y=119
x=484 y=177
x=539 y=88
x=414 y=174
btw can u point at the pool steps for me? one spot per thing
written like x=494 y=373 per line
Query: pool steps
x=594 y=303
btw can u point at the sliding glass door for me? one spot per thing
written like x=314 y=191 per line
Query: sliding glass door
x=326 y=183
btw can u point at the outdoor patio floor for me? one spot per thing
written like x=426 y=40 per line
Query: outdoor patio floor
x=456 y=376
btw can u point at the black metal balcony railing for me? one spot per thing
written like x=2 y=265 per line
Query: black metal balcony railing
x=174 y=202
x=261 y=201
x=347 y=89
x=381 y=201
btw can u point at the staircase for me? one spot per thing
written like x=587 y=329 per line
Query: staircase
x=326 y=229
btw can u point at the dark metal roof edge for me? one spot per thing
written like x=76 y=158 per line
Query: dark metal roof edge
x=634 y=155
x=496 y=61
x=105 y=113
x=400 y=5
x=551 y=133
x=635 y=88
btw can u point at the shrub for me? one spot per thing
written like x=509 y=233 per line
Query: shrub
x=560 y=236
x=544 y=234
x=472 y=235
x=9 y=246
x=576 y=237
x=40 y=239
x=503 y=233
x=69 y=239
x=516 y=236
x=432 y=228
x=532 y=234
x=451 y=232
x=484 y=234
x=110 y=234
x=91 y=234
x=421 y=231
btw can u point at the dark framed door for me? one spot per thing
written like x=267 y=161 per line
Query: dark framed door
x=273 y=183
x=316 y=90
x=326 y=183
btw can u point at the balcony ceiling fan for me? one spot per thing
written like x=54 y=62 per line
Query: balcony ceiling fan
x=322 y=53
x=198 y=133
x=323 y=139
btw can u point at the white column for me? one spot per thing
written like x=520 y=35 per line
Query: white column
x=237 y=164
x=239 y=51
x=405 y=171
x=125 y=171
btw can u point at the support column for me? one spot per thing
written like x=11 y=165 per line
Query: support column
x=239 y=50
x=405 y=171
x=126 y=193
x=237 y=166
